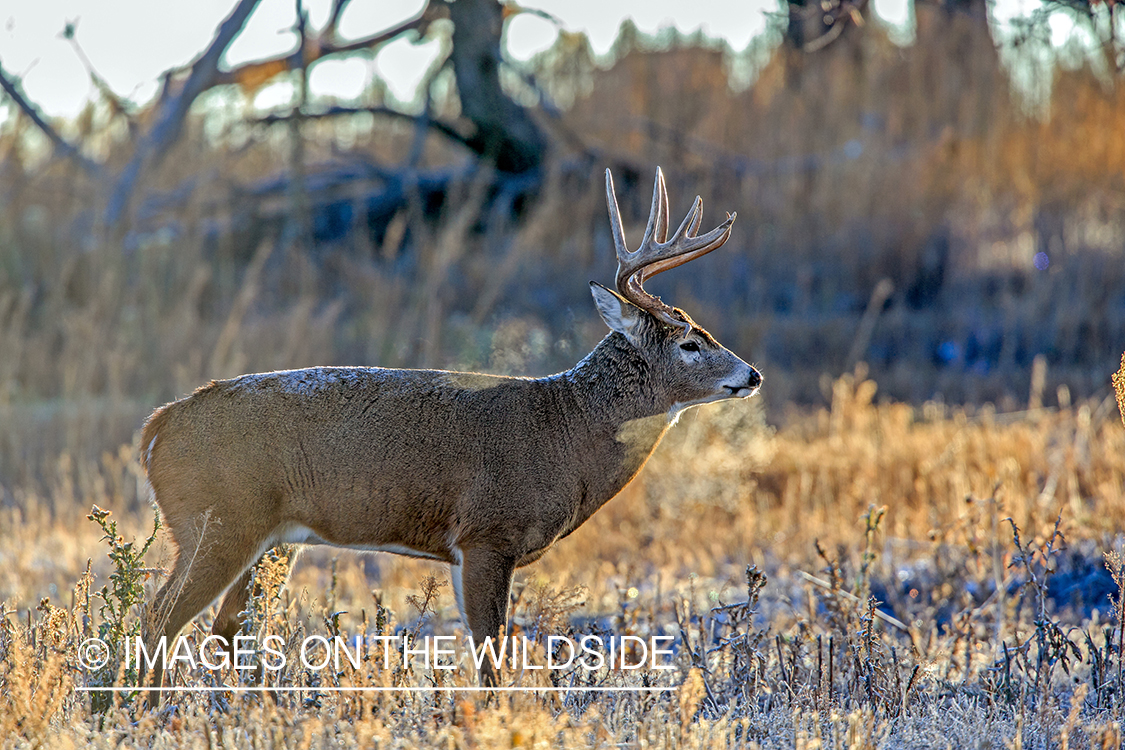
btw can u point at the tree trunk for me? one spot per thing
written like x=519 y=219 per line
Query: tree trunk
x=505 y=133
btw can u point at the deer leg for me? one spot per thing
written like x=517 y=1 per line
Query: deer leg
x=228 y=622
x=486 y=579
x=194 y=583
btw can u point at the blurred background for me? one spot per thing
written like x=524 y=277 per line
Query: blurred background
x=931 y=192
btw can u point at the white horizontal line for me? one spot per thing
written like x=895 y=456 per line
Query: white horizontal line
x=378 y=689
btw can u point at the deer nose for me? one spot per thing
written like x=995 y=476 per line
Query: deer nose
x=755 y=379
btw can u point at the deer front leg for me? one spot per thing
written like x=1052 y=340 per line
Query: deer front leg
x=482 y=583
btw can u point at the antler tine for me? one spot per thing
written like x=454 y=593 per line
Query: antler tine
x=679 y=251
x=657 y=228
x=691 y=222
x=657 y=253
x=615 y=221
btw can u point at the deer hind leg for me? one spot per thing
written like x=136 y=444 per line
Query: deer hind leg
x=486 y=582
x=228 y=622
x=201 y=572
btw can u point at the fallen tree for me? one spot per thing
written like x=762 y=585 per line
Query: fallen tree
x=496 y=131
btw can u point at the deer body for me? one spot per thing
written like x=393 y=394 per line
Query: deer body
x=361 y=457
x=482 y=472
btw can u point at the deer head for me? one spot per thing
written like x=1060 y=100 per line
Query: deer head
x=691 y=365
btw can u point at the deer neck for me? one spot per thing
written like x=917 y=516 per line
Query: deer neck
x=620 y=405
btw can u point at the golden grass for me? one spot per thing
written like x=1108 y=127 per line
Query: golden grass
x=723 y=492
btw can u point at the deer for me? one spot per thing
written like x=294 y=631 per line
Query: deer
x=482 y=472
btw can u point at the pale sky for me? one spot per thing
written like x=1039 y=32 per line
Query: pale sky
x=131 y=42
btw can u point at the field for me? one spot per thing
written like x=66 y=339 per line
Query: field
x=836 y=516
x=911 y=538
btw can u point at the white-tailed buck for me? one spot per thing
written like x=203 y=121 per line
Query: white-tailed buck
x=480 y=471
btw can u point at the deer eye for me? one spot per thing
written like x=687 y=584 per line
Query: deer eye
x=689 y=346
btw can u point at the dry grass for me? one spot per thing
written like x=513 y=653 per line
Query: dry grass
x=780 y=665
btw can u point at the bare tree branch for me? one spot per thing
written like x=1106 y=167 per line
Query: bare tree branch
x=61 y=145
x=813 y=25
x=324 y=44
x=299 y=227
x=117 y=104
x=1101 y=21
x=838 y=18
x=173 y=109
x=337 y=111
x=205 y=74
x=338 y=7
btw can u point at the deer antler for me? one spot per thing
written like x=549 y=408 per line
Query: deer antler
x=658 y=253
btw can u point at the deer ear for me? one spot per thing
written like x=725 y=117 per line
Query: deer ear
x=617 y=312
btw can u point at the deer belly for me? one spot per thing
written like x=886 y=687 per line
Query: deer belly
x=298 y=533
